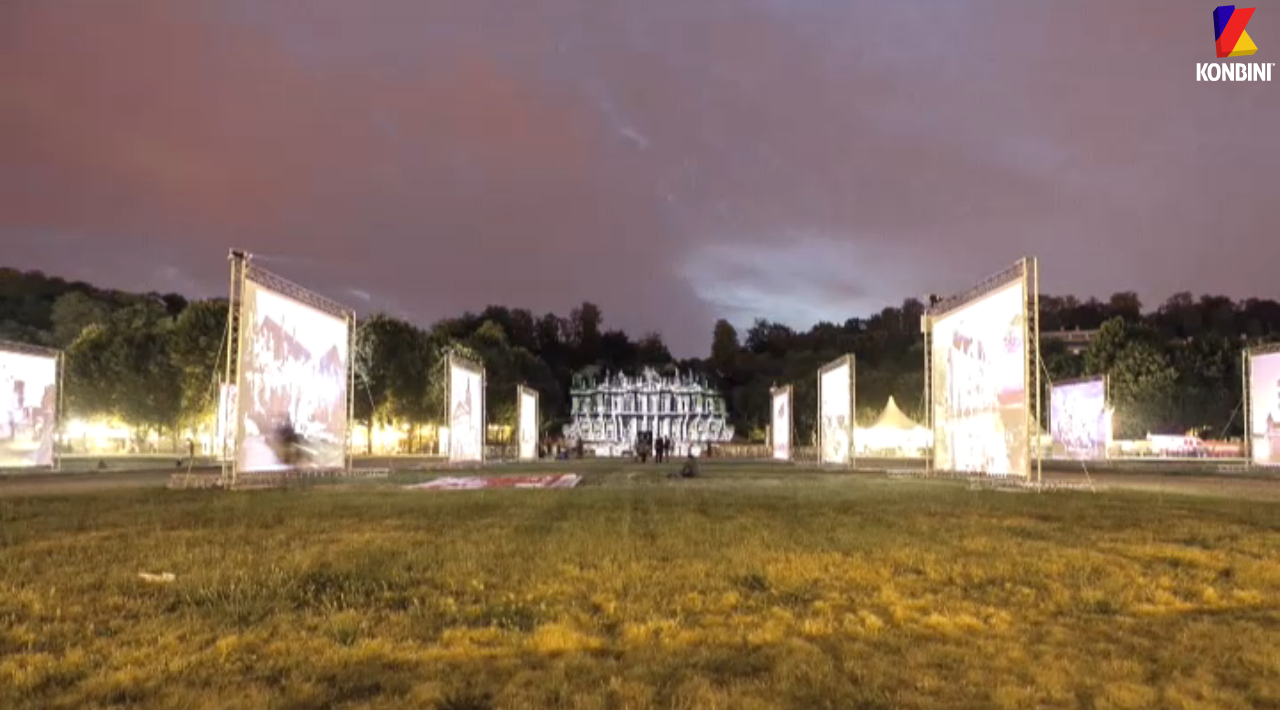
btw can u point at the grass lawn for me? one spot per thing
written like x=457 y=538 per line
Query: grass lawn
x=744 y=589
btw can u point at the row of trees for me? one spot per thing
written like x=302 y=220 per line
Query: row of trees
x=154 y=360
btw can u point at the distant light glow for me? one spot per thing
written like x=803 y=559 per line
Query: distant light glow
x=799 y=281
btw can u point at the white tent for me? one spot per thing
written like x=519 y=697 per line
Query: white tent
x=893 y=433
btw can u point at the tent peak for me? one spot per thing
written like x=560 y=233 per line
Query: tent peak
x=893 y=418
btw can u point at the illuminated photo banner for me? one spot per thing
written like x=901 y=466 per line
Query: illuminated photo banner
x=465 y=406
x=291 y=398
x=226 y=440
x=979 y=367
x=527 y=404
x=28 y=406
x=1078 y=419
x=835 y=412
x=781 y=423
x=1264 y=408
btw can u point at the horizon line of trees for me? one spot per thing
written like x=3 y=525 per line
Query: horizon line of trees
x=154 y=361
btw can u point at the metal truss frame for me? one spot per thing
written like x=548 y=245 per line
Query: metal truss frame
x=1027 y=270
x=1246 y=374
x=243 y=271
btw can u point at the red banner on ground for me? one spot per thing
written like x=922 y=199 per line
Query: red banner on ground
x=471 y=483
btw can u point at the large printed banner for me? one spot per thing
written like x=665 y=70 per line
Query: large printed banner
x=226 y=441
x=979 y=356
x=528 y=434
x=1264 y=408
x=291 y=400
x=28 y=408
x=466 y=411
x=1078 y=419
x=835 y=412
x=781 y=423
x=475 y=483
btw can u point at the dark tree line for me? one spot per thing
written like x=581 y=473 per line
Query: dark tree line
x=889 y=353
x=1173 y=369
x=154 y=360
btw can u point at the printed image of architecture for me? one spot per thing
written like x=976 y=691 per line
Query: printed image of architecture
x=464 y=428
x=610 y=412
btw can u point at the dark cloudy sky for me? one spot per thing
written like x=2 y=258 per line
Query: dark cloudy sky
x=673 y=161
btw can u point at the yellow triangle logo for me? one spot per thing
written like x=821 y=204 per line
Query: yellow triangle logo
x=1244 y=47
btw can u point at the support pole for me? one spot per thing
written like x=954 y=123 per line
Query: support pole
x=926 y=328
x=853 y=414
x=232 y=433
x=1109 y=412
x=1027 y=376
x=348 y=454
x=232 y=334
x=791 y=424
x=819 y=439
x=447 y=415
x=59 y=416
x=1248 y=405
x=1035 y=312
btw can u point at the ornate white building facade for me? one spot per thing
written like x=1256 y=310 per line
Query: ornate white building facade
x=609 y=413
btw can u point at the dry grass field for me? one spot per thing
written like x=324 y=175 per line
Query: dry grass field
x=743 y=589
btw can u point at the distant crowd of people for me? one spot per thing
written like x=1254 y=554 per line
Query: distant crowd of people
x=647 y=446
x=659 y=448
x=560 y=450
